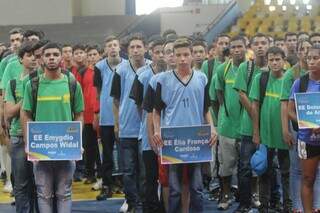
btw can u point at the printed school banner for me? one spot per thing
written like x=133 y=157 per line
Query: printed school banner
x=50 y=141
x=186 y=145
x=308 y=110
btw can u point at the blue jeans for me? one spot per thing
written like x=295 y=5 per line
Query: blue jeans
x=132 y=168
x=54 y=178
x=295 y=180
x=247 y=149
x=195 y=186
x=24 y=188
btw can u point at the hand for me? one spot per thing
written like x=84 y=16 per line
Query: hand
x=288 y=139
x=256 y=139
x=153 y=146
x=34 y=161
x=95 y=122
x=213 y=138
x=156 y=139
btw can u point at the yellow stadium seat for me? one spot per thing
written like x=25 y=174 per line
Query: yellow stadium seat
x=276 y=23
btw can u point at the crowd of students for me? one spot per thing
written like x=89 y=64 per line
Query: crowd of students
x=126 y=91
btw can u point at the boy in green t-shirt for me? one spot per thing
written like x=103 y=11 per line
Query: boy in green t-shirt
x=53 y=104
x=229 y=117
x=246 y=73
x=21 y=168
x=267 y=128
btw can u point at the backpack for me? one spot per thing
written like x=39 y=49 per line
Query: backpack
x=303 y=86
x=263 y=86
x=210 y=70
x=250 y=69
x=226 y=70
x=72 y=83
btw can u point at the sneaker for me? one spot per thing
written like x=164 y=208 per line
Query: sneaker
x=276 y=206
x=224 y=203
x=242 y=209
x=255 y=201
x=97 y=185
x=214 y=195
x=124 y=207
x=104 y=194
x=263 y=209
x=90 y=180
x=7 y=187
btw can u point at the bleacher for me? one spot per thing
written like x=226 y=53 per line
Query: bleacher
x=276 y=22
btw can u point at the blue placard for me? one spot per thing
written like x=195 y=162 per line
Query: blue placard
x=308 y=110
x=50 y=141
x=186 y=145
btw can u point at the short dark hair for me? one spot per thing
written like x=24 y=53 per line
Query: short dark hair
x=259 y=35
x=182 y=42
x=111 y=38
x=168 y=32
x=238 y=38
x=136 y=36
x=79 y=47
x=199 y=43
x=154 y=37
x=276 y=50
x=94 y=47
x=29 y=33
x=51 y=45
x=156 y=42
x=66 y=45
x=220 y=36
x=26 y=47
x=314 y=35
x=289 y=34
x=40 y=44
x=15 y=30
x=278 y=39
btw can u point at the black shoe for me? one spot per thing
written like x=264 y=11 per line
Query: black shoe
x=276 y=206
x=104 y=194
x=263 y=209
x=131 y=209
x=242 y=209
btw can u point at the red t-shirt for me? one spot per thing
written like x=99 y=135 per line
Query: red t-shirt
x=84 y=76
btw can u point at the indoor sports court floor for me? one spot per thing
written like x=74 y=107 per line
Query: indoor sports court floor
x=84 y=202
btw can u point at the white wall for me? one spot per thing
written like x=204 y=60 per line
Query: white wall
x=102 y=7
x=188 y=19
x=24 y=12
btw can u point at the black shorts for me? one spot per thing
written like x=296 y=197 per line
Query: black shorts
x=307 y=151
